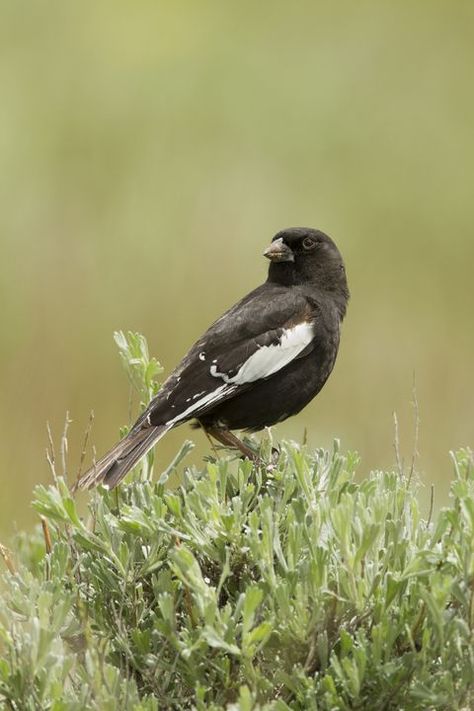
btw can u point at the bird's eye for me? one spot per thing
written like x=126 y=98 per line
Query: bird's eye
x=309 y=243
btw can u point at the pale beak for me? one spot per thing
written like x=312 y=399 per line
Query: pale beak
x=278 y=251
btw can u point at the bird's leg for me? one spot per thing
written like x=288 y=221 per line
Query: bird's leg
x=211 y=442
x=227 y=438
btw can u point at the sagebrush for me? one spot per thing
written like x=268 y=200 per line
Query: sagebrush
x=283 y=585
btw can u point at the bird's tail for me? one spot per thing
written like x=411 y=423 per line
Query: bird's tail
x=114 y=465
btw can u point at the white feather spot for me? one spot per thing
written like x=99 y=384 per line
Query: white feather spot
x=268 y=360
x=202 y=356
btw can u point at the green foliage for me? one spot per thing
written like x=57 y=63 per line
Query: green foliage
x=142 y=371
x=271 y=587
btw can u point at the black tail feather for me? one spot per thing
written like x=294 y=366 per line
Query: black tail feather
x=114 y=465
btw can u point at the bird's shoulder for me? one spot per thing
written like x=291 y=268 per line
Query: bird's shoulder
x=266 y=308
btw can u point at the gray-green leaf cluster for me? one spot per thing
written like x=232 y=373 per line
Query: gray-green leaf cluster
x=284 y=587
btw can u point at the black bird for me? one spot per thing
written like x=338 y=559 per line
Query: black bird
x=258 y=364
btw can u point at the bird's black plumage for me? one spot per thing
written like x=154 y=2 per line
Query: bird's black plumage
x=258 y=364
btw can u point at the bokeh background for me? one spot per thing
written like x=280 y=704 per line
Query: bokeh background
x=150 y=150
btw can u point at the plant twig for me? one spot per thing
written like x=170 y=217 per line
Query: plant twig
x=5 y=553
x=47 y=536
x=51 y=454
x=64 y=446
x=430 y=514
x=415 y=453
x=85 y=443
x=396 y=445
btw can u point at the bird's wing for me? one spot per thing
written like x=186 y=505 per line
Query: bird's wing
x=256 y=338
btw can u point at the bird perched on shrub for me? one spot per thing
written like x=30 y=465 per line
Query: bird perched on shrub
x=259 y=363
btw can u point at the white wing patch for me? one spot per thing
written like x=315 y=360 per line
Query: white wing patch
x=270 y=359
x=261 y=364
x=208 y=399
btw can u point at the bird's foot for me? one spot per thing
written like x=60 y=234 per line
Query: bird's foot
x=228 y=439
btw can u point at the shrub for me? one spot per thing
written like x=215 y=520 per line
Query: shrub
x=279 y=586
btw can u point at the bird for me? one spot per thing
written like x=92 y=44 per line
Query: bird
x=261 y=362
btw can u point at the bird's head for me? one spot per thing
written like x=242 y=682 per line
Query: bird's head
x=300 y=255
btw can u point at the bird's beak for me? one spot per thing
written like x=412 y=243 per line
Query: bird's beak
x=278 y=251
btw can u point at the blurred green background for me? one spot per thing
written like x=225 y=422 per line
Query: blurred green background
x=149 y=152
